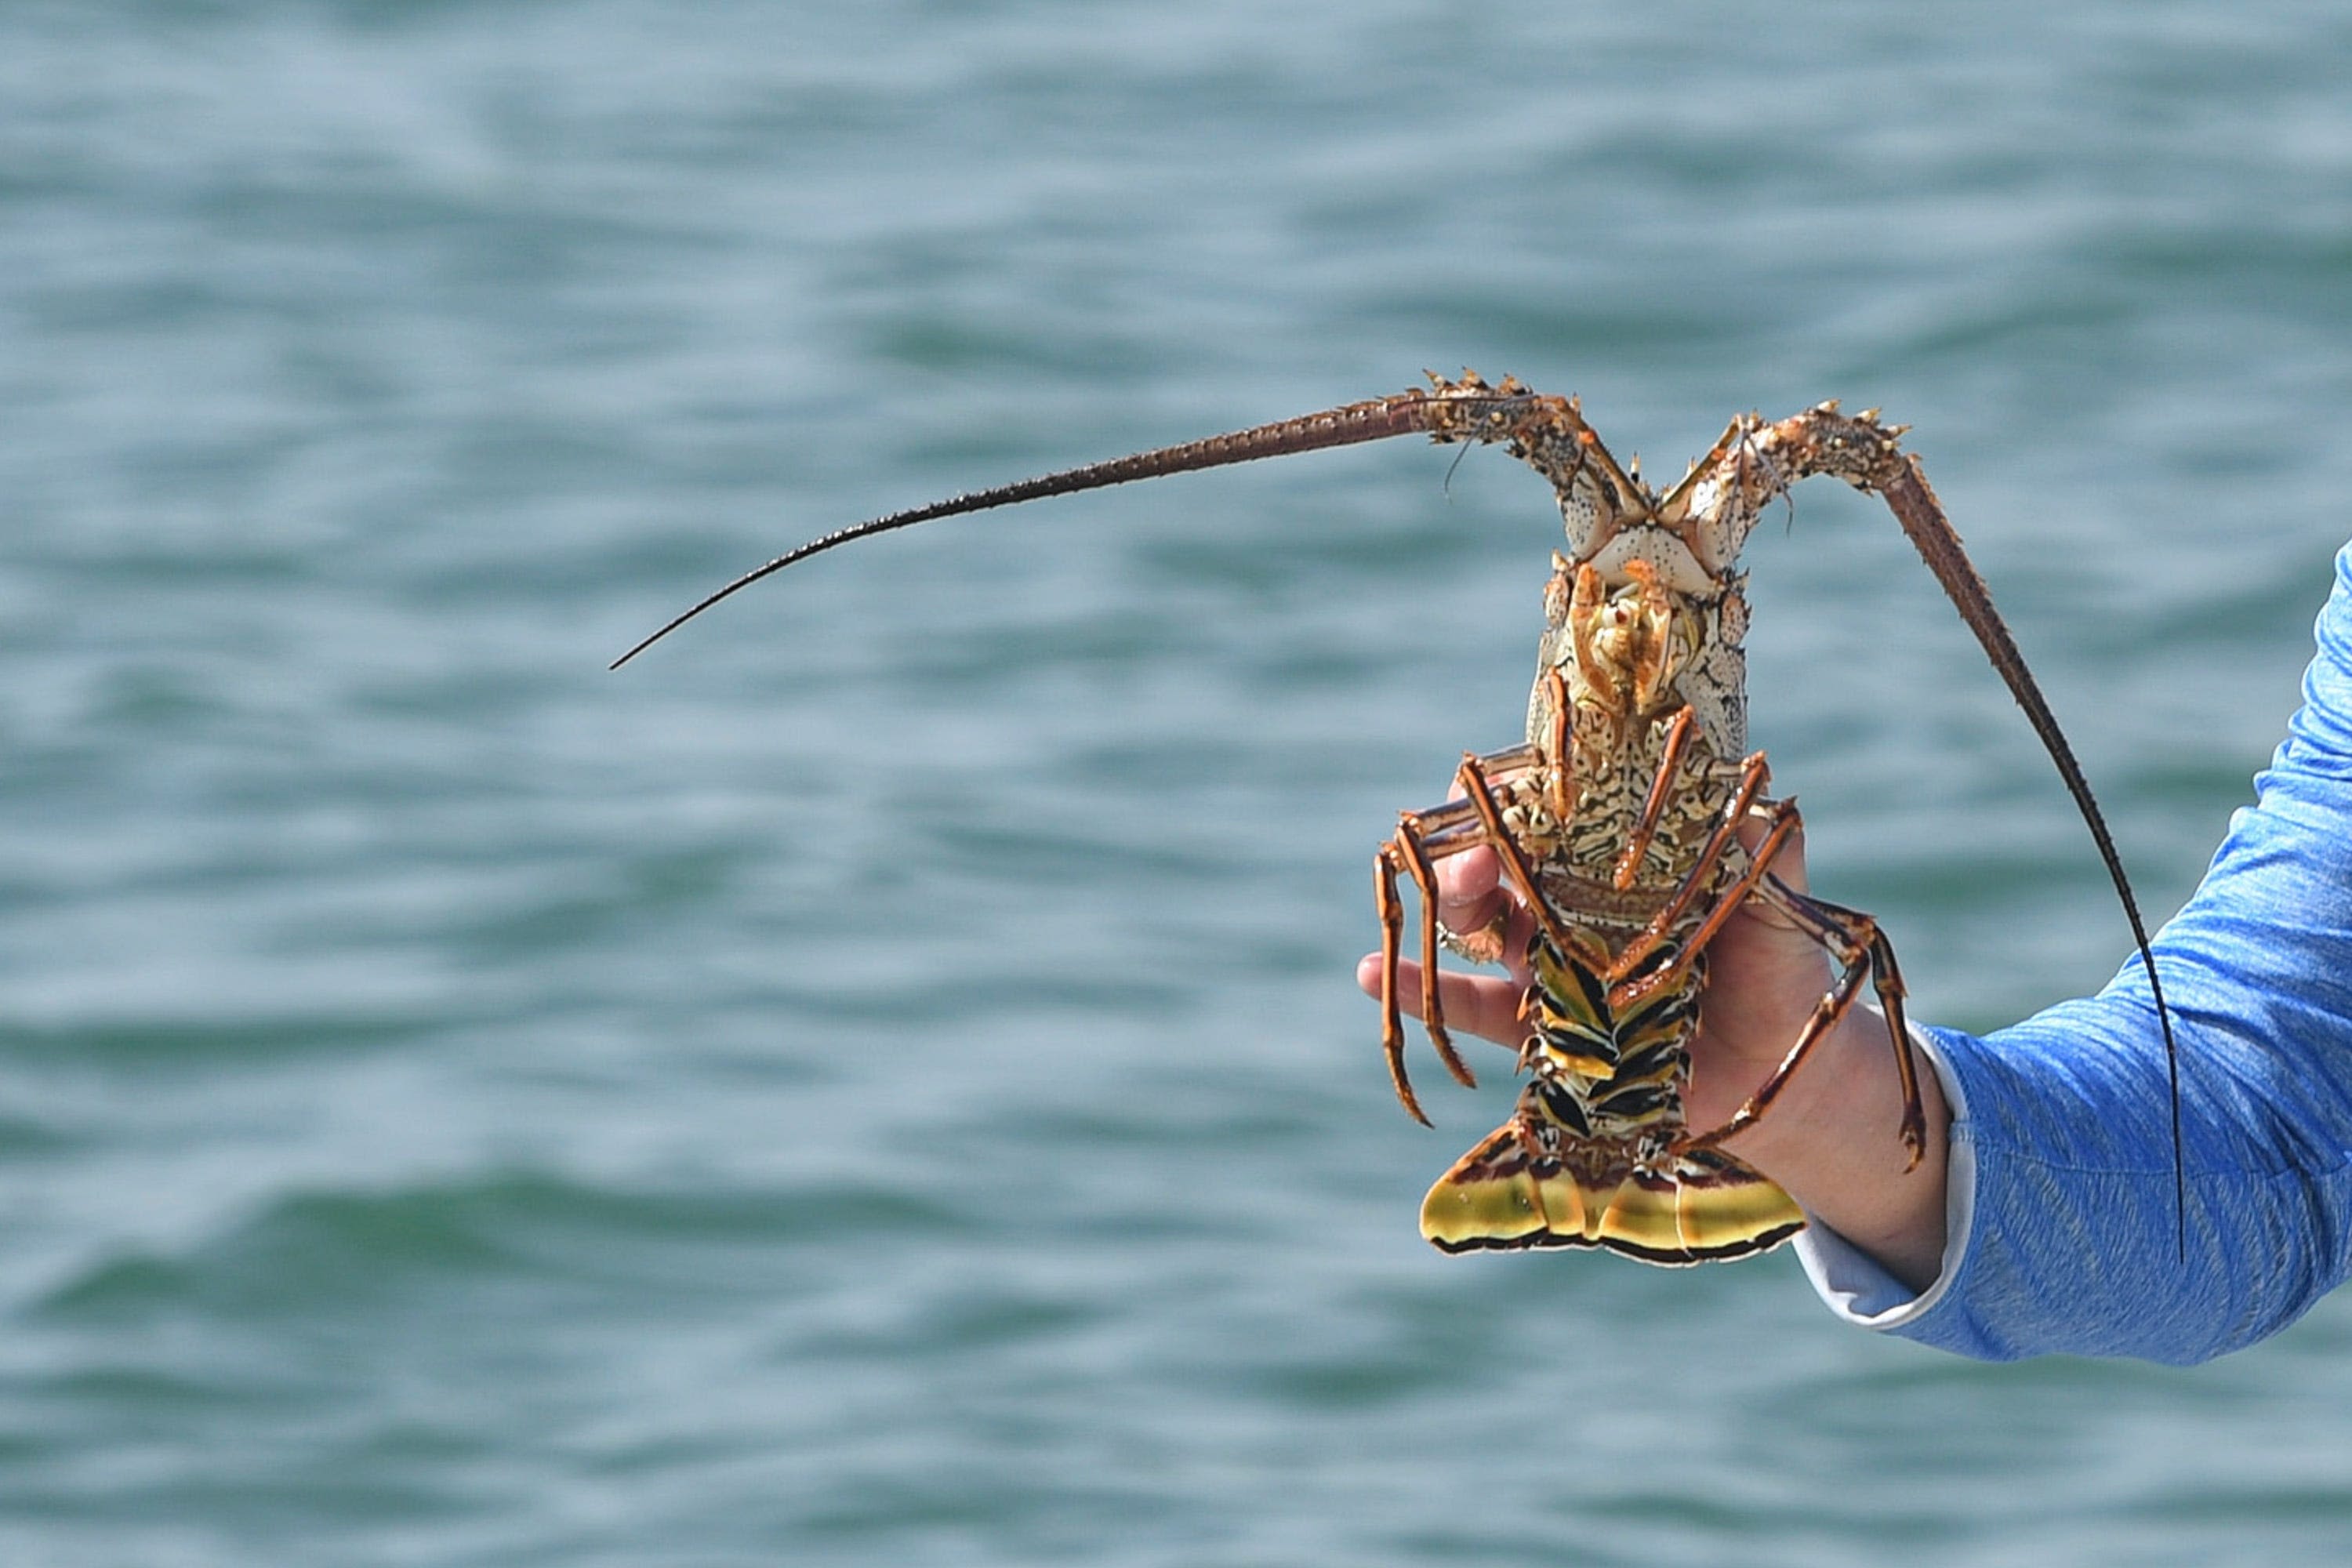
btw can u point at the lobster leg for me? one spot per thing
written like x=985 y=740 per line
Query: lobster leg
x=1392 y=913
x=1861 y=948
x=1653 y=809
x=1515 y=869
x=1407 y=850
x=1448 y=830
x=1754 y=775
x=1421 y=840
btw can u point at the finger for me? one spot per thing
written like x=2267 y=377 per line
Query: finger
x=1789 y=865
x=1486 y=1005
x=1469 y=888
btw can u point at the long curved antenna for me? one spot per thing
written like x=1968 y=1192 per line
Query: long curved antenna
x=1372 y=420
x=1915 y=507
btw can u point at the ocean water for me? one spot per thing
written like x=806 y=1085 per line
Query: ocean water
x=880 y=1080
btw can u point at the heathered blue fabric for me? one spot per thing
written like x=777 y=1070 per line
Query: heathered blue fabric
x=2072 y=1247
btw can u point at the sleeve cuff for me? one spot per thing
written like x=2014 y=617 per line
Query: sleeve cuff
x=1849 y=1282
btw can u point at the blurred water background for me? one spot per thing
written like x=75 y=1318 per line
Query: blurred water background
x=880 y=1080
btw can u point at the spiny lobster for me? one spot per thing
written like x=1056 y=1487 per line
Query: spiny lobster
x=1619 y=822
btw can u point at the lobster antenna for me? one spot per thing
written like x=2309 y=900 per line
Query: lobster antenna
x=1931 y=532
x=1347 y=425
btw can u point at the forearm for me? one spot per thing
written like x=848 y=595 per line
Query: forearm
x=2077 y=1243
x=2078 y=1238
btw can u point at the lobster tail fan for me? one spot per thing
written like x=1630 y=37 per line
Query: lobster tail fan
x=1703 y=1207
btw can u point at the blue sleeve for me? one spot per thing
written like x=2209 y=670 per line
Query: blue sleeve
x=2065 y=1234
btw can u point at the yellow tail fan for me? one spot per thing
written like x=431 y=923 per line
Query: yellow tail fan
x=1697 y=1207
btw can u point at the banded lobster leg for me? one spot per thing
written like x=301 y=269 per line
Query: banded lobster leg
x=1421 y=838
x=1854 y=942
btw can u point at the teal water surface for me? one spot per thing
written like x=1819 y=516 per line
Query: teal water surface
x=879 y=1080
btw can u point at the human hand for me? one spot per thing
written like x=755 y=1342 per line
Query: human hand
x=1829 y=1139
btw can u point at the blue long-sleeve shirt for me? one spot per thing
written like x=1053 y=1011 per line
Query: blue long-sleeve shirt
x=2061 y=1232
